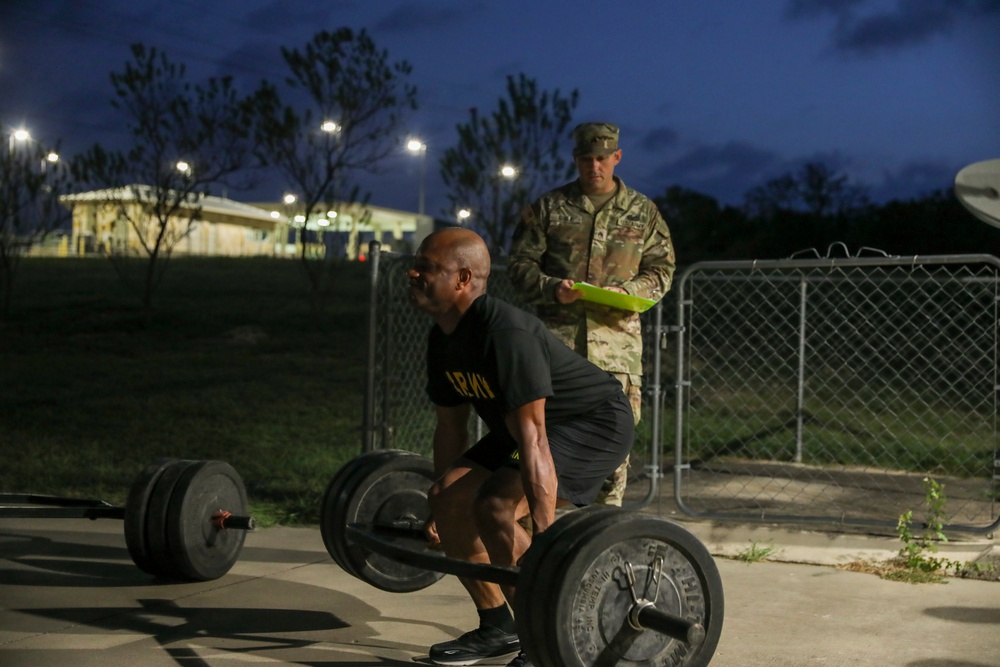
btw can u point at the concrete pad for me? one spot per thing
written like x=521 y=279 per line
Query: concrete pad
x=69 y=595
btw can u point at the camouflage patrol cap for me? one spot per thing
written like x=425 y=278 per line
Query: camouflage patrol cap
x=595 y=139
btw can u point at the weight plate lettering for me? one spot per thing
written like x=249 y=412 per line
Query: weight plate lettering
x=590 y=597
x=540 y=564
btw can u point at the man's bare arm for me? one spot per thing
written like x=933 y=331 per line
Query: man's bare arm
x=538 y=473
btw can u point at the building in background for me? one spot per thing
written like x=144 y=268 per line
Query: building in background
x=225 y=227
x=346 y=229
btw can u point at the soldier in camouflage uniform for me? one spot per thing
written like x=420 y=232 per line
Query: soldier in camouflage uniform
x=599 y=231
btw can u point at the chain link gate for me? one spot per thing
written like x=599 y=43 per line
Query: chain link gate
x=826 y=390
x=397 y=412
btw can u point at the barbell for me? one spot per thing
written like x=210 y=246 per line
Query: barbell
x=601 y=586
x=183 y=519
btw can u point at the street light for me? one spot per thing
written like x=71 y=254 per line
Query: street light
x=507 y=172
x=19 y=135
x=184 y=167
x=50 y=158
x=418 y=147
x=463 y=215
x=330 y=127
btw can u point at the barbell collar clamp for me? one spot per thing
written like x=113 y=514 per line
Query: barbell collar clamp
x=224 y=520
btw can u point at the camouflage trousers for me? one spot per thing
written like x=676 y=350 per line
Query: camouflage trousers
x=613 y=490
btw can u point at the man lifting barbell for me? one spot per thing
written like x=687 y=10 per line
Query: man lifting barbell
x=558 y=426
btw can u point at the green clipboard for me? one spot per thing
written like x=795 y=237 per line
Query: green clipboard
x=606 y=297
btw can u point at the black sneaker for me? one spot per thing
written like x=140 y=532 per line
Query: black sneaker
x=520 y=660
x=479 y=644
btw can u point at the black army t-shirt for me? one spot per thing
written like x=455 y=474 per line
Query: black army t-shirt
x=500 y=357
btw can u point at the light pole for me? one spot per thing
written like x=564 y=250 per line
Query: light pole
x=507 y=172
x=418 y=147
x=50 y=158
x=19 y=135
x=282 y=236
x=463 y=215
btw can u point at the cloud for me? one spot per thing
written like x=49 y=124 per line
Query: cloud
x=811 y=8
x=254 y=60
x=724 y=171
x=658 y=139
x=864 y=30
x=914 y=179
x=728 y=171
x=414 y=16
x=280 y=16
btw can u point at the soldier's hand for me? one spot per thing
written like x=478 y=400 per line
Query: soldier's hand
x=565 y=292
x=612 y=288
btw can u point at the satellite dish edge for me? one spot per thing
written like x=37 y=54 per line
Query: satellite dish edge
x=977 y=186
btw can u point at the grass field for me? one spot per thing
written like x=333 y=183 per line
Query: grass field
x=236 y=364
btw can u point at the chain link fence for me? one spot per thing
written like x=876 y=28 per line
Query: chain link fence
x=821 y=390
x=828 y=390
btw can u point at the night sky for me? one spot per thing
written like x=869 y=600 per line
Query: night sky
x=710 y=95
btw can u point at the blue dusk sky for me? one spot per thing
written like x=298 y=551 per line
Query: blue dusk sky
x=714 y=96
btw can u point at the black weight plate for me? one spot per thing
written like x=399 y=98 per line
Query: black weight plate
x=162 y=561
x=336 y=497
x=560 y=556
x=590 y=599
x=136 y=507
x=363 y=467
x=379 y=490
x=385 y=490
x=539 y=566
x=201 y=551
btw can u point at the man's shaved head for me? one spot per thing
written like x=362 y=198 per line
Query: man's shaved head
x=465 y=248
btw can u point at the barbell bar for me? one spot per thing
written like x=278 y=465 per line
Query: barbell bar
x=600 y=586
x=642 y=615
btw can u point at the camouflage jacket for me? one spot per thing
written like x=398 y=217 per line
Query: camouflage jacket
x=626 y=245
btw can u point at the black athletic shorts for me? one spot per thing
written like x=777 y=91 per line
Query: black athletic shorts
x=584 y=451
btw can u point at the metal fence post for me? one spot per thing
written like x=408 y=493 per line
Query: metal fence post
x=801 y=381
x=368 y=427
x=655 y=439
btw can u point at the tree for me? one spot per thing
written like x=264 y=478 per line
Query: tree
x=526 y=131
x=933 y=224
x=702 y=229
x=813 y=207
x=185 y=138
x=354 y=105
x=814 y=190
x=30 y=186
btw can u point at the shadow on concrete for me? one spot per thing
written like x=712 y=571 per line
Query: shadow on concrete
x=987 y=615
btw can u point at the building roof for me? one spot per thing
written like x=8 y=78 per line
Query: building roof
x=213 y=209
